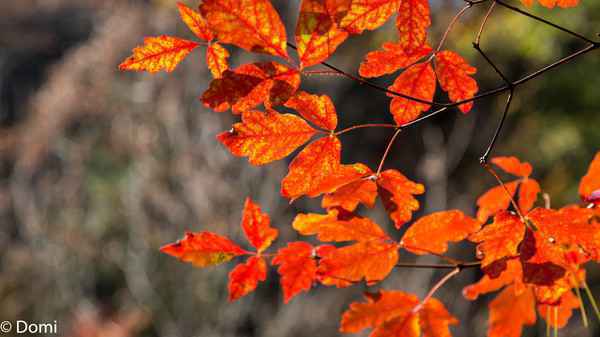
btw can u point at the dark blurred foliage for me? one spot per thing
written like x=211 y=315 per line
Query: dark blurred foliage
x=100 y=168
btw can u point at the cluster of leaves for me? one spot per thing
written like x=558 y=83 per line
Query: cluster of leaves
x=536 y=254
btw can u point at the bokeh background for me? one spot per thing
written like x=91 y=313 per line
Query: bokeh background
x=100 y=168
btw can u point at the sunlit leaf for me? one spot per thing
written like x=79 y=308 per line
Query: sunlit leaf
x=203 y=249
x=216 y=59
x=391 y=58
x=297 y=268
x=417 y=81
x=316 y=109
x=257 y=226
x=412 y=23
x=158 y=53
x=195 y=22
x=454 y=75
x=397 y=193
x=244 y=278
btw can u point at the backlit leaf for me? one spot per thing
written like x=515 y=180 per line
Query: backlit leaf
x=317 y=32
x=257 y=226
x=368 y=14
x=251 y=84
x=511 y=275
x=553 y=3
x=417 y=81
x=397 y=193
x=412 y=23
x=297 y=268
x=250 y=24
x=216 y=59
x=195 y=22
x=513 y=166
x=510 y=311
x=203 y=249
x=495 y=200
x=158 y=53
x=454 y=75
x=391 y=58
x=348 y=197
x=316 y=109
x=528 y=193
x=435 y=320
x=265 y=137
x=244 y=278
x=446 y=226
x=589 y=188
x=564 y=310
x=329 y=227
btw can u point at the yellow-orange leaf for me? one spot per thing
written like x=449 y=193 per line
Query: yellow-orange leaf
x=390 y=59
x=328 y=227
x=368 y=260
x=510 y=311
x=312 y=167
x=412 y=22
x=317 y=32
x=251 y=84
x=195 y=22
x=203 y=249
x=216 y=59
x=448 y=226
x=257 y=226
x=499 y=241
x=250 y=24
x=350 y=195
x=297 y=268
x=265 y=137
x=316 y=109
x=417 y=81
x=495 y=200
x=558 y=315
x=589 y=188
x=513 y=166
x=368 y=14
x=454 y=75
x=158 y=53
x=397 y=193
x=244 y=278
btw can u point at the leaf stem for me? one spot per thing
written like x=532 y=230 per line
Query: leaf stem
x=370 y=125
x=387 y=151
x=435 y=288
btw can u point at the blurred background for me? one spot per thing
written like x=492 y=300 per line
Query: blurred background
x=100 y=168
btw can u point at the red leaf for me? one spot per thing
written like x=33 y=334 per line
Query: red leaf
x=158 y=53
x=316 y=109
x=257 y=226
x=216 y=59
x=195 y=22
x=589 y=188
x=350 y=195
x=250 y=24
x=203 y=249
x=266 y=137
x=397 y=193
x=453 y=73
x=412 y=22
x=528 y=193
x=417 y=81
x=510 y=311
x=558 y=315
x=297 y=268
x=553 y=3
x=390 y=59
x=495 y=200
x=251 y=84
x=368 y=14
x=244 y=278
x=330 y=227
x=513 y=166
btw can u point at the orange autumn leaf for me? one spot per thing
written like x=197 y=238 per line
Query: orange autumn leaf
x=251 y=84
x=195 y=22
x=417 y=81
x=203 y=249
x=396 y=313
x=513 y=166
x=265 y=137
x=558 y=315
x=412 y=23
x=510 y=311
x=369 y=260
x=317 y=32
x=244 y=278
x=257 y=226
x=368 y=14
x=312 y=167
x=528 y=193
x=344 y=175
x=553 y=3
x=541 y=259
x=511 y=275
x=589 y=188
x=498 y=241
x=448 y=226
x=216 y=59
x=454 y=75
x=350 y=195
x=397 y=193
x=391 y=58
x=158 y=53
x=253 y=25
x=316 y=109
x=297 y=268
x=495 y=200
x=330 y=227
